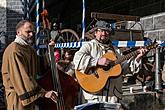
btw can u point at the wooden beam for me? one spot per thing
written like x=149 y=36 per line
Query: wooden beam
x=116 y=17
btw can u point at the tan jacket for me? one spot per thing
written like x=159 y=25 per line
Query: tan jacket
x=18 y=71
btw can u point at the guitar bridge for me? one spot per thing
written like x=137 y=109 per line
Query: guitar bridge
x=93 y=71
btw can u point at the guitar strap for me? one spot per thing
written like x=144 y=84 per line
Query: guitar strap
x=113 y=49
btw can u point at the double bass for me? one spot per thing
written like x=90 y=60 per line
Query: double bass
x=55 y=79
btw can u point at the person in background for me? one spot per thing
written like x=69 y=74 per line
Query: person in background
x=66 y=64
x=68 y=57
x=55 y=31
x=90 y=55
x=19 y=67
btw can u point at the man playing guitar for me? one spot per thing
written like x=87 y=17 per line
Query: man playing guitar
x=90 y=56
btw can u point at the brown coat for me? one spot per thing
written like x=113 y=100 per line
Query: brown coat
x=18 y=71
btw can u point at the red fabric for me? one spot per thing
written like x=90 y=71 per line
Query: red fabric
x=57 y=55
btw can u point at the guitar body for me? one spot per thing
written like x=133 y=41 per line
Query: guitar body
x=93 y=83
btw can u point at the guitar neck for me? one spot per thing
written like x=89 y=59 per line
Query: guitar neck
x=126 y=57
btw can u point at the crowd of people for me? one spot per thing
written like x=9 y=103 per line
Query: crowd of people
x=21 y=63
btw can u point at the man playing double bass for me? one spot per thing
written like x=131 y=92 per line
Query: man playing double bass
x=55 y=79
x=91 y=55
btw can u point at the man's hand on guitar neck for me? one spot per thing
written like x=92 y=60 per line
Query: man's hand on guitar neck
x=141 y=52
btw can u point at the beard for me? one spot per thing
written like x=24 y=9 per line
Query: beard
x=106 y=40
x=29 y=40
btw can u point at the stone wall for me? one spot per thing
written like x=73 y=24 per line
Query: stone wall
x=140 y=101
x=144 y=101
x=153 y=26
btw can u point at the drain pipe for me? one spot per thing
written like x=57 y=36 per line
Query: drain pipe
x=158 y=84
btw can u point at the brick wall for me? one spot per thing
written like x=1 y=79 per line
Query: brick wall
x=3 y=15
x=14 y=14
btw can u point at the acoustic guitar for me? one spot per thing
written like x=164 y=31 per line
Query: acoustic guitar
x=95 y=81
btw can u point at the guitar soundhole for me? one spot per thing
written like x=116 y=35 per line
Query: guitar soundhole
x=106 y=68
x=110 y=65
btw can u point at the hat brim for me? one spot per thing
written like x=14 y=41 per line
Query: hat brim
x=95 y=28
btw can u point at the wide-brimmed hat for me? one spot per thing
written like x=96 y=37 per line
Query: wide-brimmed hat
x=103 y=25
